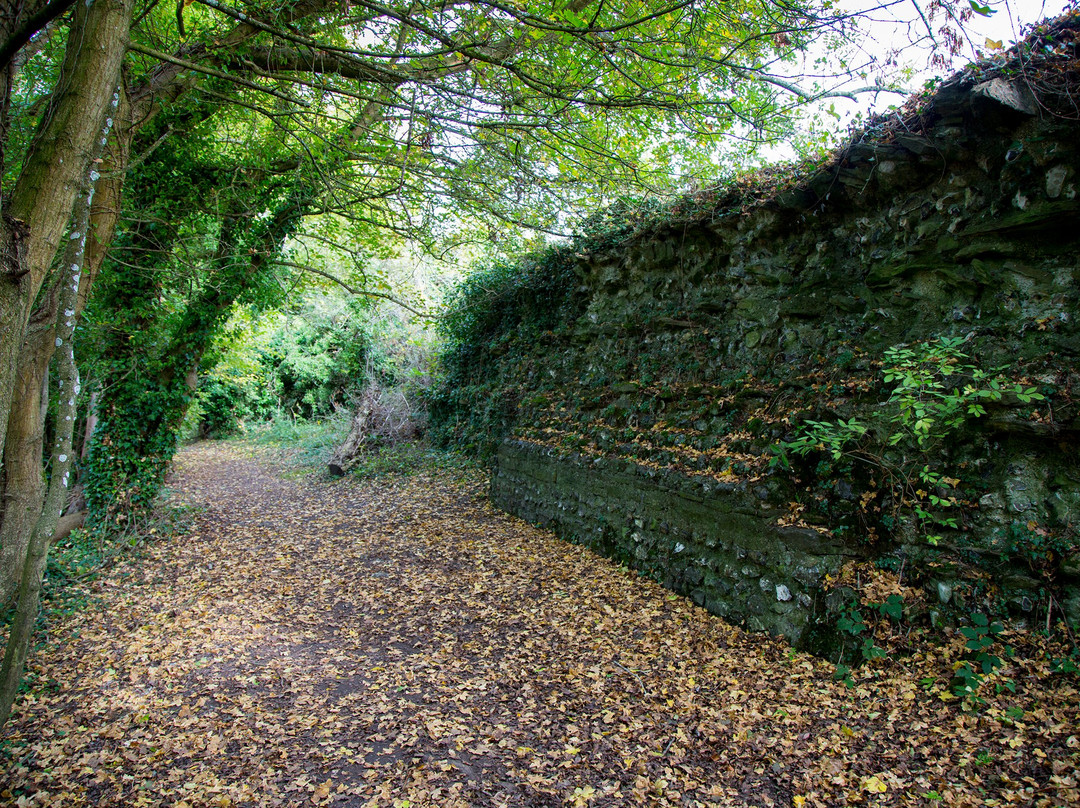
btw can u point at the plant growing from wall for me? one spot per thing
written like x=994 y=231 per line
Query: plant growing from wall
x=937 y=389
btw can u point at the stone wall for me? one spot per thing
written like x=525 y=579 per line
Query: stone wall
x=720 y=544
x=643 y=425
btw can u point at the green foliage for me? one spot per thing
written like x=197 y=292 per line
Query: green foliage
x=313 y=367
x=860 y=648
x=851 y=621
x=133 y=444
x=304 y=365
x=893 y=607
x=861 y=626
x=981 y=638
x=222 y=407
x=30 y=90
x=1067 y=664
x=307 y=364
x=188 y=257
x=832 y=438
x=304 y=444
x=1037 y=545
x=493 y=319
x=527 y=296
x=935 y=391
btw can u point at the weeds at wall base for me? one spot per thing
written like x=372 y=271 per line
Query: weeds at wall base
x=415 y=457
x=976 y=660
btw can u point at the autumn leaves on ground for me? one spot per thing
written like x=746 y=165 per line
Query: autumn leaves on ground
x=400 y=643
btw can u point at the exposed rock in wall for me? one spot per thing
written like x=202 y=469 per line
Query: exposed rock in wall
x=643 y=424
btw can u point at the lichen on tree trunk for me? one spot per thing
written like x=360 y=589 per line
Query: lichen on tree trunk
x=48 y=512
x=39 y=207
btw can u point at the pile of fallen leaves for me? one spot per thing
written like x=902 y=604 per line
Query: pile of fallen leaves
x=399 y=643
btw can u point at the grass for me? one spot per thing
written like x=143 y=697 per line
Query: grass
x=298 y=444
x=304 y=447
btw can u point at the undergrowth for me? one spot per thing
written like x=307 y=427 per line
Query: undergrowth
x=304 y=447
x=411 y=458
x=977 y=662
x=299 y=443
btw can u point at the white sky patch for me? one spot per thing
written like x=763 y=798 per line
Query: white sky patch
x=897 y=36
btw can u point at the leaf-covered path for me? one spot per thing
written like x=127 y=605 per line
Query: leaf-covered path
x=401 y=643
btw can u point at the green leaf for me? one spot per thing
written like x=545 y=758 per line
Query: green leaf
x=893 y=607
x=871 y=651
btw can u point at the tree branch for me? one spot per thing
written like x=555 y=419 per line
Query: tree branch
x=34 y=23
x=277 y=58
x=165 y=57
x=798 y=92
x=350 y=289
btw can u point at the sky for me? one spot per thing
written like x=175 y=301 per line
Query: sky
x=1004 y=23
x=895 y=30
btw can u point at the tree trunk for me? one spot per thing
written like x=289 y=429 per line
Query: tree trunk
x=19 y=20
x=91 y=425
x=108 y=196
x=24 y=484
x=14 y=302
x=40 y=205
x=48 y=512
x=344 y=457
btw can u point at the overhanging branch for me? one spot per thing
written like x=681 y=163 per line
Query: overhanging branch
x=348 y=288
x=209 y=71
x=798 y=92
x=34 y=23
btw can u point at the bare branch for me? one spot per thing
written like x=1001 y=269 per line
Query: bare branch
x=797 y=91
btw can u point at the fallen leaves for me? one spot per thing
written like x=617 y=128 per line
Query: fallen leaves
x=874 y=785
x=399 y=643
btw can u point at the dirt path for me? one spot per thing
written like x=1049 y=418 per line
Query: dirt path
x=402 y=644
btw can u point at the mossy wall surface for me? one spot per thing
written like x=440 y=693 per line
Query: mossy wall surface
x=641 y=423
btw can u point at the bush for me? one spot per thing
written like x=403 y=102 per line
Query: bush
x=223 y=406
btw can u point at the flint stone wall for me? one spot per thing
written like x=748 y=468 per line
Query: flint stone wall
x=640 y=428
